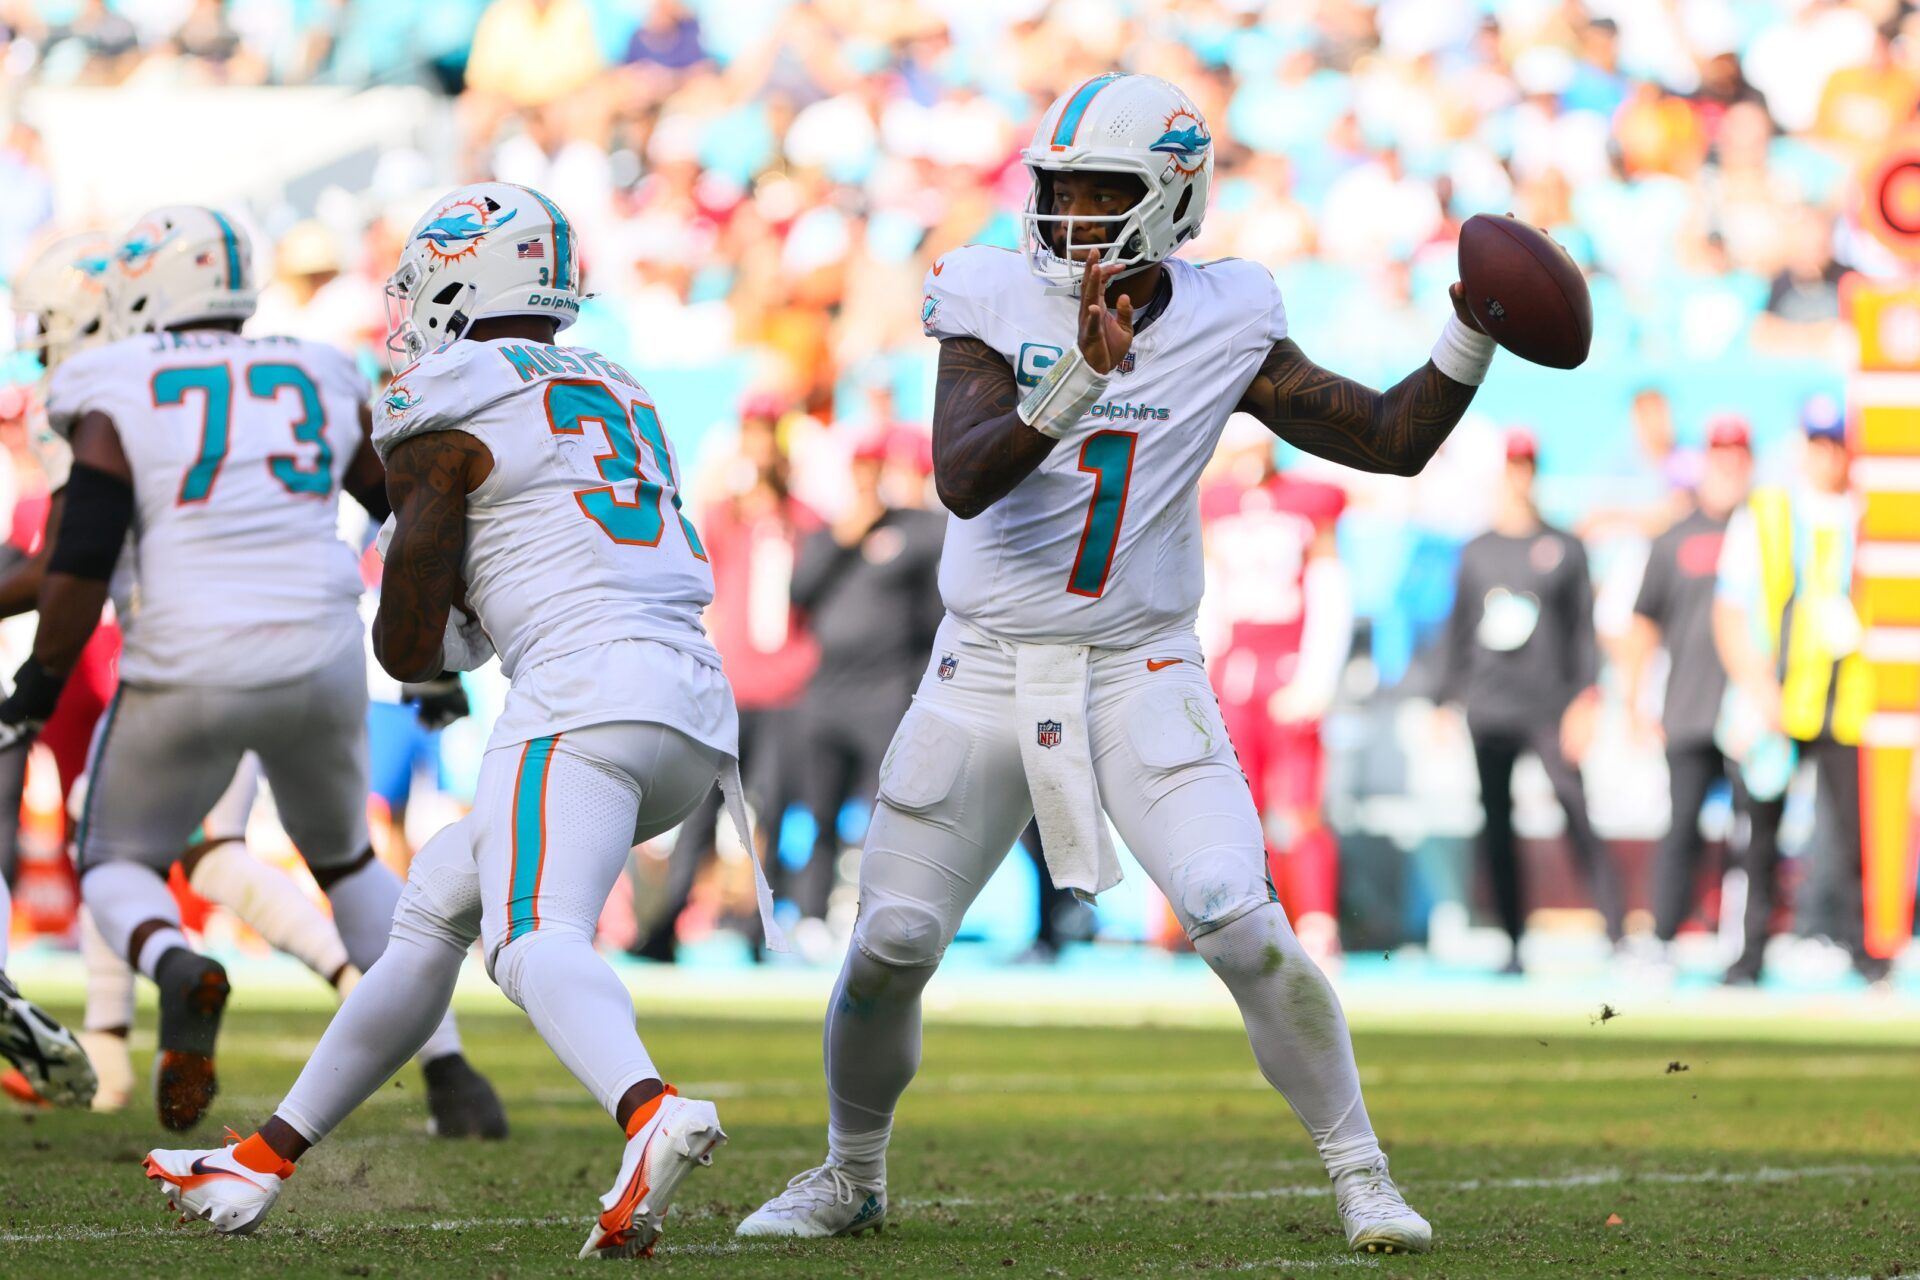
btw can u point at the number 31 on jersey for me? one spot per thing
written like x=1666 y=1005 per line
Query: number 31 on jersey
x=574 y=402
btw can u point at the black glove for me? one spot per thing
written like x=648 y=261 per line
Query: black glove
x=439 y=701
x=36 y=691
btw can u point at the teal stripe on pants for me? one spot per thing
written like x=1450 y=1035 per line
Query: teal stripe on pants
x=529 y=835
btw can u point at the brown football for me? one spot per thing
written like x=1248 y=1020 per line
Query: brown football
x=1525 y=291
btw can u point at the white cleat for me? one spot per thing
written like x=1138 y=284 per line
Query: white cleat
x=818 y=1203
x=1376 y=1216
x=679 y=1138
x=113 y=1064
x=50 y=1060
x=213 y=1186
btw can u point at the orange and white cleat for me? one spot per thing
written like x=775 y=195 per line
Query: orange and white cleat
x=679 y=1136
x=214 y=1186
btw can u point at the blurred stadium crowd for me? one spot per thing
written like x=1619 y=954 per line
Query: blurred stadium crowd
x=760 y=185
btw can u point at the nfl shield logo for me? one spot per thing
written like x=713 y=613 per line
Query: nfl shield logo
x=1048 y=733
x=947 y=665
x=1126 y=363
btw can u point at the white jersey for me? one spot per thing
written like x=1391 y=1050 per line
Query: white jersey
x=1100 y=544
x=237 y=448
x=575 y=539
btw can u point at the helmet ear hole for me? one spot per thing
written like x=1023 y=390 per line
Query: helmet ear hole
x=446 y=295
x=1180 y=209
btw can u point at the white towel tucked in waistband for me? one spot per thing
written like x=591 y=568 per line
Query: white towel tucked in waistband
x=763 y=893
x=1050 y=694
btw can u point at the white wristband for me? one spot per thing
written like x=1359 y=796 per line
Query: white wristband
x=1463 y=353
x=1063 y=397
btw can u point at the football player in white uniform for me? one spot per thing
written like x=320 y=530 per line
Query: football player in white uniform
x=537 y=513
x=61 y=305
x=1083 y=384
x=61 y=297
x=223 y=457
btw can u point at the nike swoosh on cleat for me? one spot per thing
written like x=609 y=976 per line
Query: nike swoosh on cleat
x=1158 y=664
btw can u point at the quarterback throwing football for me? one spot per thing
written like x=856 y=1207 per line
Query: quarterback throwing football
x=1083 y=385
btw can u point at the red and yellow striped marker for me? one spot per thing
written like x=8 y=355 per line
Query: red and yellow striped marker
x=1885 y=400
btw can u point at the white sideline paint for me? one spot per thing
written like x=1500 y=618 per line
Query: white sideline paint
x=1315 y=1190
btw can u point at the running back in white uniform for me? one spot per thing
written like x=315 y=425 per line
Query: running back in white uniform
x=575 y=540
x=1100 y=545
x=237 y=448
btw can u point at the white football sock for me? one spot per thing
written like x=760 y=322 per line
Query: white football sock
x=1298 y=1031
x=363 y=902
x=109 y=980
x=863 y=1155
x=872 y=1047
x=125 y=895
x=580 y=1008
x=270 y=903
x=390 y=1013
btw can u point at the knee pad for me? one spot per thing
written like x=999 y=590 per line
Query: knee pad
x=901 y=934
x=1257 y=944
x=508 y=963
x=442 y=905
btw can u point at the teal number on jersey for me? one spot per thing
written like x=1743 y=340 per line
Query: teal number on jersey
x=1108 y=455
x=265 y=382
x=647 y=423
x=572 y=403
x=215 y=383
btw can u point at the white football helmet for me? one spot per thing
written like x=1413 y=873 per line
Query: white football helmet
x=1117 y=123
x=179 y=264
x=60 y=299
x=485 y=249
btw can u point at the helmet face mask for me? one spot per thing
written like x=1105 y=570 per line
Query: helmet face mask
x=1056 y=242
x=1136 y=125
x=483 y=250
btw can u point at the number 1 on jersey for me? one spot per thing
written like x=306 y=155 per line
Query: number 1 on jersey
x=1108 y=455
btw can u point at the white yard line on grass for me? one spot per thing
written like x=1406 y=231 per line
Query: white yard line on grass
x=1570 y=1181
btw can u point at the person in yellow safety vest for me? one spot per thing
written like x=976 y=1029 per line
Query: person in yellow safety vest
x=1787 y=632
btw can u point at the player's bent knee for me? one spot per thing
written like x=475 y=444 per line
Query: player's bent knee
x=1256 y=943
x=901 y=934
x=437 y=916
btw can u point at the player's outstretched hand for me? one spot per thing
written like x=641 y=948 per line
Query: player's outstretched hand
x=1105 y=332
x=1459 y=295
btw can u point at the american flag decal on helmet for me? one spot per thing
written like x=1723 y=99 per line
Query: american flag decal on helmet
x=530 y=249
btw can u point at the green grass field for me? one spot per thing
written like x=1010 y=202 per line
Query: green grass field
x=1063 y=1151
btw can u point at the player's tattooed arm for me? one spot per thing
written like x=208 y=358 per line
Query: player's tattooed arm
x=1394 y=431
x=981 y=448
x=428 y=479
x=366 y=479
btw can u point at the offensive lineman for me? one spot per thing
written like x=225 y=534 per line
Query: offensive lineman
x=1070 y=429
x=537 y=513
x=217 y=453
x=63 y=293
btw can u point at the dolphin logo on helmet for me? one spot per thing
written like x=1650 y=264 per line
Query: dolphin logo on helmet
x=454 y=271
x=60 y=298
